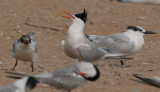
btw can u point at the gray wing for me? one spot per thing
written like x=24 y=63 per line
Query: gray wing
x=9 y=88
x=66 y=82
x=90 y=53
x=114 y=43
x=64 y=79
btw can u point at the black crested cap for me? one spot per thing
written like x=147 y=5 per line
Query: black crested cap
x=82 y=16
x=95 y=77
x=31 y=83
x=134 y=28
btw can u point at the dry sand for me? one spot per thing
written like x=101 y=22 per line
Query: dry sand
x=104 y=17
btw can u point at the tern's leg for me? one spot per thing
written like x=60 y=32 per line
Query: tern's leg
x=122 y=63
x=15 y=65
x=32 y=66
x=69 y=90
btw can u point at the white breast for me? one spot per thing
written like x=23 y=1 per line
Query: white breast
x=137 y=38
x=75 y=36
x=25 y=53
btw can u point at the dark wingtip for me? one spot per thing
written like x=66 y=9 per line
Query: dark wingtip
x=136 y=75
x=14 y=77
x=149 y=81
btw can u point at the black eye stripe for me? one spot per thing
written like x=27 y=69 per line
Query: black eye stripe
x=134 y=28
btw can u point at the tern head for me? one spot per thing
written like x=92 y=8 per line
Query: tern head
x=139 y=29
x=26 y=83
x=25 y=39
x=76 y=17
x=88 y=71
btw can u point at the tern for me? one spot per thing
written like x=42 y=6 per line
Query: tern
x=25 y=84
x=69 y=77
x=154 y=81
x=91 y=47
x=25 y=49
x=76 y=44
x=122 y=44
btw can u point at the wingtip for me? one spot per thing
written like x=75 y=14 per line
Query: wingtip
x=151 y=82
x=18 y=73
x=14 y=77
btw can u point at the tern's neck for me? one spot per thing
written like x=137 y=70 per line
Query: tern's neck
x=76 y=28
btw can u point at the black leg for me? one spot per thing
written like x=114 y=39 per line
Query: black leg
x=32 y=67
x=121 y=61
x=15 y=65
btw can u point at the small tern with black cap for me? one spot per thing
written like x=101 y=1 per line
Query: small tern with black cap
x=121 y=44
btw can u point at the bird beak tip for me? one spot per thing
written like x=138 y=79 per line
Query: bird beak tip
x=69 y=17
x=149 y=32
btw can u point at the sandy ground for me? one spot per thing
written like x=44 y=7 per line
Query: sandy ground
x=104 y=17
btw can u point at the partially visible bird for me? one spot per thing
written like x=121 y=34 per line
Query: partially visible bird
x=154 y=81
x=69 y=77
x=141 y=1
x=25 y=84
x=25 y=49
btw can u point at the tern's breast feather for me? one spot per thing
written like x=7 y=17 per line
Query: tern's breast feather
x=25 y=53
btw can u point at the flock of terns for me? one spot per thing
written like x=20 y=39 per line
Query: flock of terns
x=85 y=48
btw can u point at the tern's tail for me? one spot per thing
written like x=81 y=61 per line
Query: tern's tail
x=155 y=81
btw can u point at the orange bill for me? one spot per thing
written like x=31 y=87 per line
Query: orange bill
x=69 y=17
x=82 y=74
